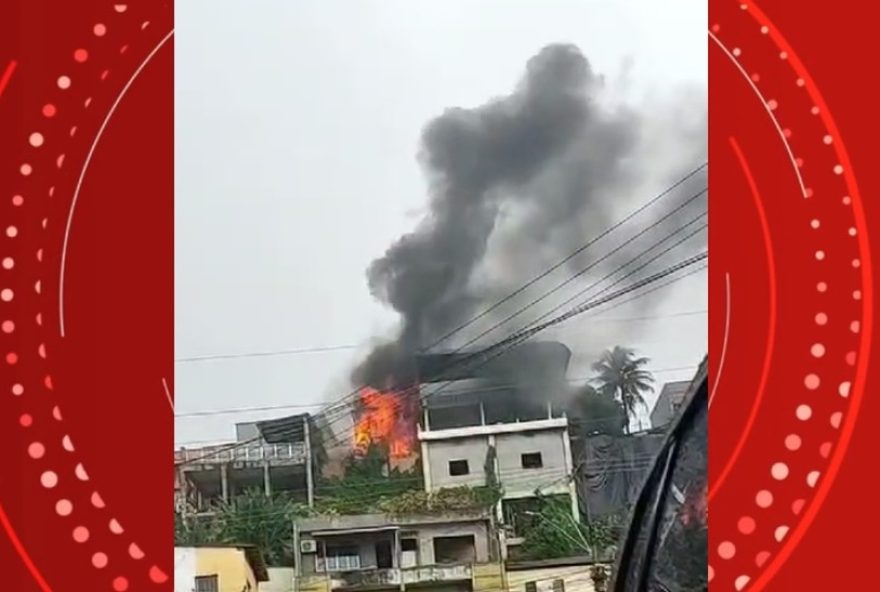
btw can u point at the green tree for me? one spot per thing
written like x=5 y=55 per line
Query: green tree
x=553 y=532
x=195 y=530
x=265 y=521
x=621 y=375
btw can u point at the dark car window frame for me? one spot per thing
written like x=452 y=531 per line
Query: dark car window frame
x=637 y=556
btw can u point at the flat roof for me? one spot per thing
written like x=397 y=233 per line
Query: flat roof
x=252 y=555
x=349 y=524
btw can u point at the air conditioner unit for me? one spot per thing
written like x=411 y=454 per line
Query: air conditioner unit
x=308 y=546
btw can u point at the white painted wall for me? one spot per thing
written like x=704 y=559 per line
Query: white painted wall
x=184 y=569
x=280 y=580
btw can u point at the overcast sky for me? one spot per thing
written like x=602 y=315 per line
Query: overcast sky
x=297 y=129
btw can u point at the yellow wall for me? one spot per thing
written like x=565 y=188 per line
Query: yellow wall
x=488 y=577
x=231 y=567
x=576 y=577
x=316 y=583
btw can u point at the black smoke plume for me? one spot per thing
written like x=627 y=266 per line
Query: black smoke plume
x=515 y=185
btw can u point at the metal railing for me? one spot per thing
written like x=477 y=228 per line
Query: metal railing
x=252 y=453
x=393 y=576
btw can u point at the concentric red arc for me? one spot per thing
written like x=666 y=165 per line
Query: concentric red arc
x=769 y=485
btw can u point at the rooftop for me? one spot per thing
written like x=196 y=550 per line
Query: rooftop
x=328 y=525
x=251 y=553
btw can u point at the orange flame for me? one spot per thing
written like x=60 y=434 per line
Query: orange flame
x=385 y=418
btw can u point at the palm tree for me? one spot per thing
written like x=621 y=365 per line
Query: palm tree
x=621 y=375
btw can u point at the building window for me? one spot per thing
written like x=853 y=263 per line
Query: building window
x=342 y=559
x=409 y=552
x=532 y=460
x=455 y=549
x=207 y=584
x=558 y=585
x=458 y=468
x=531 y=586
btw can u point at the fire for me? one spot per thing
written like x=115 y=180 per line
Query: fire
x=385 y=418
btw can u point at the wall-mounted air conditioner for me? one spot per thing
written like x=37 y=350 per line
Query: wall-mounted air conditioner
x=308 y=546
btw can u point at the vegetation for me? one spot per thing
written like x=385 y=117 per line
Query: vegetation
x=555 y=533
x=367 y=480
x=621 y=376
x=444 y=500
x=253 y=518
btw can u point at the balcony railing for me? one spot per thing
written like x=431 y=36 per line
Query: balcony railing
x=394 y=577
x=226 y=453
x=436 y=573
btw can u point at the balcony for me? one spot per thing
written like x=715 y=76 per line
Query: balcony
x=255 y=453
x=393 y=577
x=436 y=573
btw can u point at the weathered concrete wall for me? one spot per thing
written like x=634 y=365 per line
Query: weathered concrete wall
x=517 y=480
x=473 y=450
x=427 y=534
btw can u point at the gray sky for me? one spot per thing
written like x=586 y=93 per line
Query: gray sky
x=297 y=129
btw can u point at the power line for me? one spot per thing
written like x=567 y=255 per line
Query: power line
x=266 y=354
x=518 y=338
x=350 y=346
x=571 y=256
x=255 y=409
x=575 y=422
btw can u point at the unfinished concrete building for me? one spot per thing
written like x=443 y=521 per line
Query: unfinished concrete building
x=274 y=456
x=501 y=423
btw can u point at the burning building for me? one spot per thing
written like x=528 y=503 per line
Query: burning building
x=515 y=185
x=455 y=390
x=386 y=418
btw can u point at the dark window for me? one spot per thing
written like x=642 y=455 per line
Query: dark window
x=558 y=585
x=458 y=468
x=207 y=584
x=532 y=460
x=531 y=586
x=409 y=545
x=456 y=549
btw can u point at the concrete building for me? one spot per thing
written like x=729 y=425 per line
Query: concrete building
x=501 y=426
x=668 y=403
x=450 y=552
x=266 y=456
x=573 y=574
x=219 y=568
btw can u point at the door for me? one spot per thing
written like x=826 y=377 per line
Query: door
x=384 y=556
